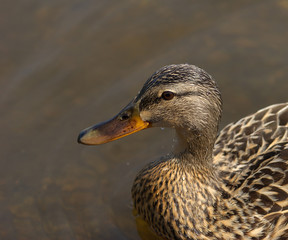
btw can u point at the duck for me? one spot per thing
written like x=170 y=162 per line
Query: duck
x=231 y=184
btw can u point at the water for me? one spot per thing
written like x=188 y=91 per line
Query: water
x=66 y=65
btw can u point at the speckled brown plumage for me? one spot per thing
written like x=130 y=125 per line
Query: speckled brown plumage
x=234 y=186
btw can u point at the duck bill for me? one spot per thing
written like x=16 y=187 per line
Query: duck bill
x=112 y=129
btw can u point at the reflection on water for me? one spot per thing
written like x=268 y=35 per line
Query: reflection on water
x=68 y=64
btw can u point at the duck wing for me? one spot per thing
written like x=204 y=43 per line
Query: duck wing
x=252 y=158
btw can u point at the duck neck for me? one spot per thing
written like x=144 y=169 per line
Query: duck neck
x=198 y=145
x=193 y=152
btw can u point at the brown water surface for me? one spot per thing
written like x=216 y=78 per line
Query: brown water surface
x=66 y=65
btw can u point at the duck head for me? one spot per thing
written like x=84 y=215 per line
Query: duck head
x=183 y=97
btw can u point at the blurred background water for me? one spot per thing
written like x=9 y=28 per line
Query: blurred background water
x=66 y=65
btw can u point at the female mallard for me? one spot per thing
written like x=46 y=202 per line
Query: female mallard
x=236 y=188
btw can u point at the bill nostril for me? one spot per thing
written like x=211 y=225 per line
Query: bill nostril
x=124 y=116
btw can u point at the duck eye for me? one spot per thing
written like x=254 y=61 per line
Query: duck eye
x=167 y=95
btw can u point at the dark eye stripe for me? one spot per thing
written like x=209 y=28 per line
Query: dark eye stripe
x=148 y=101
x=189 y=94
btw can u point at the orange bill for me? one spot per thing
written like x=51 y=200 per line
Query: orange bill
x=112 y=130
